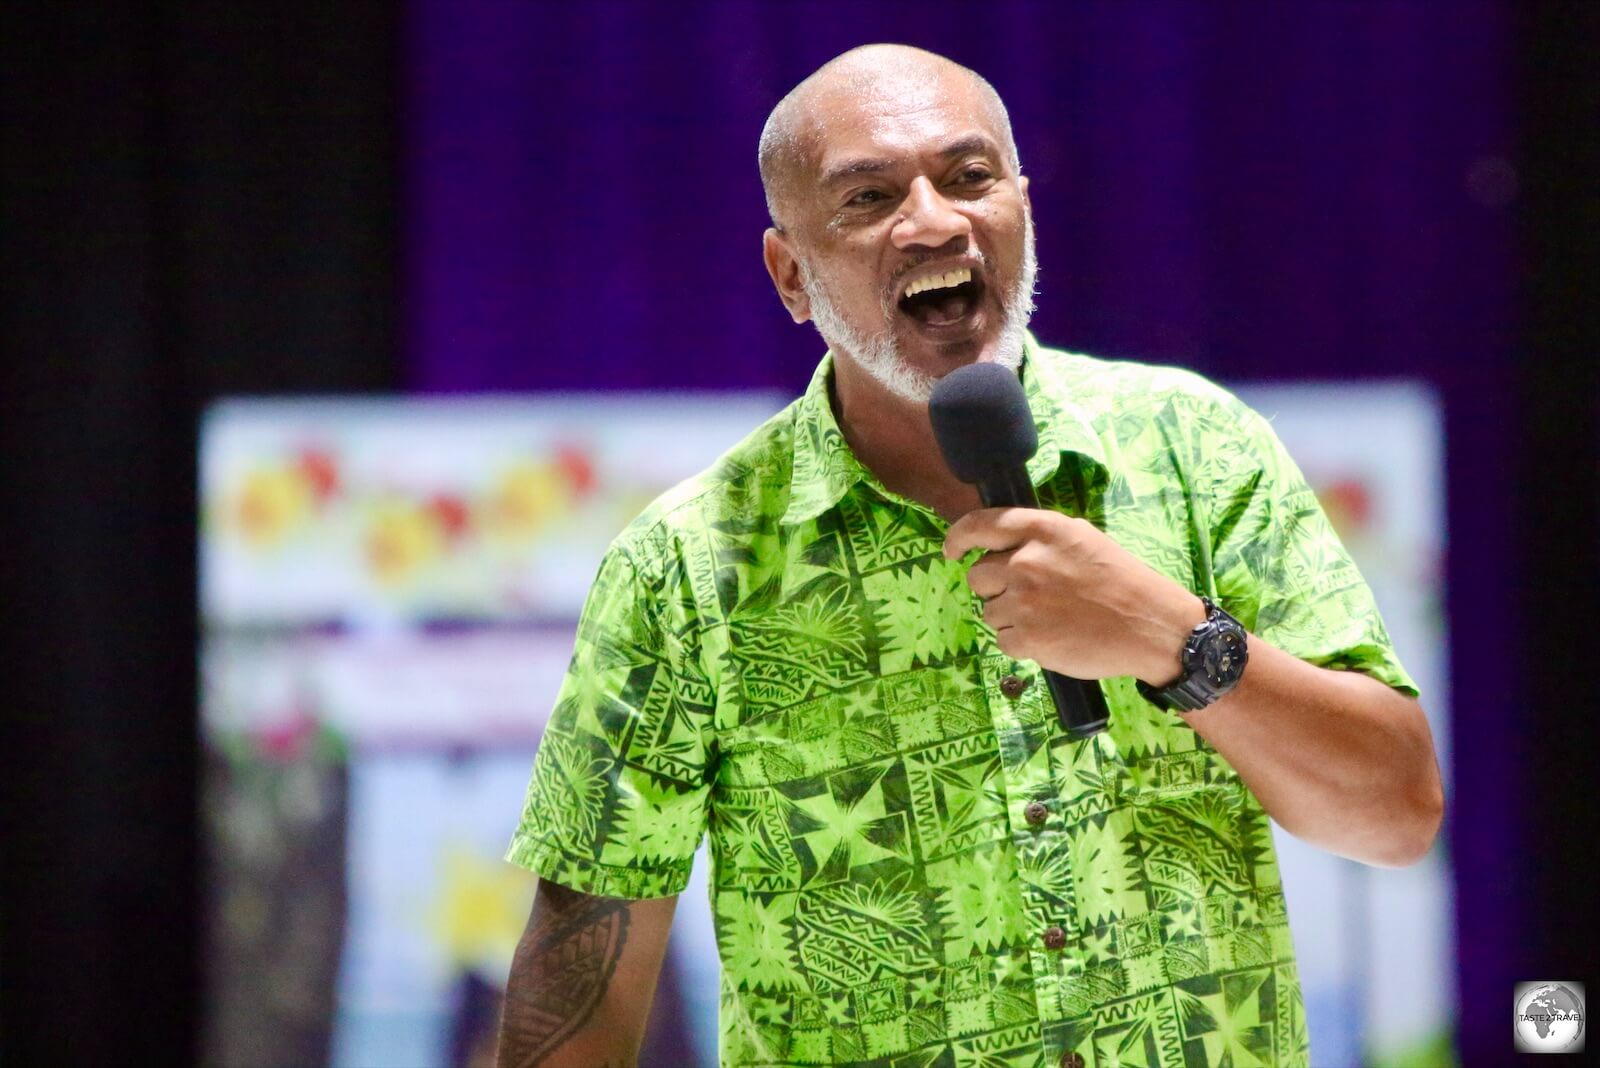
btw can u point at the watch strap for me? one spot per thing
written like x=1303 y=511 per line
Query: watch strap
x=1188 y=694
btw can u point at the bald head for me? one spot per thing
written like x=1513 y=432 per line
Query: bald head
x=882 y=75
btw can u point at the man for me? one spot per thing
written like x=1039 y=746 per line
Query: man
x=794 y=652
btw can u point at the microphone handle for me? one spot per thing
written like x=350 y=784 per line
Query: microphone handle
x=1080 y=705
x=1008 y=489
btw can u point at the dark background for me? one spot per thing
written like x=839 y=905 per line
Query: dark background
x=204 y=200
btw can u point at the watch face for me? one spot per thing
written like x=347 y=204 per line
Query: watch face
x=1223 y=656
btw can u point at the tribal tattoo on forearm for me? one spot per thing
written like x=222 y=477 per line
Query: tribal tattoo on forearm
x=563 y=965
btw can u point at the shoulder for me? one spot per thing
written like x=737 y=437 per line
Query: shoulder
x=1105 y=385
x=747 y=484
x=1131 y=405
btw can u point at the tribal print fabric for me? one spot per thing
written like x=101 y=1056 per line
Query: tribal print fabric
x=912 y=863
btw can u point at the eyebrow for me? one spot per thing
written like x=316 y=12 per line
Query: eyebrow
x=852 y=168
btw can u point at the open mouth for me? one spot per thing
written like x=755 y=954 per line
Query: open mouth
x=943 y=300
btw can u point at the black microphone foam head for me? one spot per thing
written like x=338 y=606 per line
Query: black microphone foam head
x=981 y=421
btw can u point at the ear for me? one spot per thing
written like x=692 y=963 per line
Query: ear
x=1022 y=184
x=784 y=268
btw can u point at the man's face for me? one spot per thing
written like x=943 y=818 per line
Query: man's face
x=911 y=230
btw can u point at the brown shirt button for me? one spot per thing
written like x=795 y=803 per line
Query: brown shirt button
x=1012 y=686
x=1072 y=1059
x=1036 y=813
x=1054 y=937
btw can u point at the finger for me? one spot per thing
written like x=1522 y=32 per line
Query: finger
x=987 y=577
x=998 y=613
x=995 y=529
x=1007 y=641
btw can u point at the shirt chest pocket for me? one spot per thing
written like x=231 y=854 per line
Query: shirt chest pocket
x=808 y=741
x=882 y=719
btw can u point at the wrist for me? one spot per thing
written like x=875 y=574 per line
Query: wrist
x=1183 y=613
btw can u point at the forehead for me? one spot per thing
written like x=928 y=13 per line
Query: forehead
x=891 y=117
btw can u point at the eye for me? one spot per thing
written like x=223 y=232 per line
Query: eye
x=976 y=174
x=867 y=198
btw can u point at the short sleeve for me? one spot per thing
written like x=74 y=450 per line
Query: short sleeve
x=616 y=804
x=1280 y=566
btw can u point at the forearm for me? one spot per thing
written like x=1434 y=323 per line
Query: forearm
x=1337 y=758
x=582 y=980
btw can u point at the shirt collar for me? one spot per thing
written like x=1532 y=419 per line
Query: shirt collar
x=825 y=469
x=1063 y=426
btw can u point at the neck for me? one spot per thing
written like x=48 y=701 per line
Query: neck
x=893 y=438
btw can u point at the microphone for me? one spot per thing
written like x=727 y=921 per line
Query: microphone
x=986 y=433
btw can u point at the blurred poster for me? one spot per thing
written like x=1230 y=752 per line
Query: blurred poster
x=389 y=590
x=1376 y=946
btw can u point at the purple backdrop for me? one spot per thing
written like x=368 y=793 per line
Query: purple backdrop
x=1253 y=190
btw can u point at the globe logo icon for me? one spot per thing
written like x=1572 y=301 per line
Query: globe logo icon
x=1549 y=1017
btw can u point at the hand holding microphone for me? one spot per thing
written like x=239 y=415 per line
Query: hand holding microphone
x=1056 y=590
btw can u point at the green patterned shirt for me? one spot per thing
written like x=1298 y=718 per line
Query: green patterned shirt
x=911 y=862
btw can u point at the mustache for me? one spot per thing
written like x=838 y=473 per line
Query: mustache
x=1017 y=300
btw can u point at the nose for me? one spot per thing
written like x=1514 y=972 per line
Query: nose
x=926 y=218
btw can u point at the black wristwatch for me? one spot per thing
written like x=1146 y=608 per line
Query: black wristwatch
x=1211 y=663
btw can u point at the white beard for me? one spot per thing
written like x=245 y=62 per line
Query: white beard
x=880 y=356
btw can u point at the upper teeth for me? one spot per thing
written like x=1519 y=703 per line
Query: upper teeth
x=940 y=281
